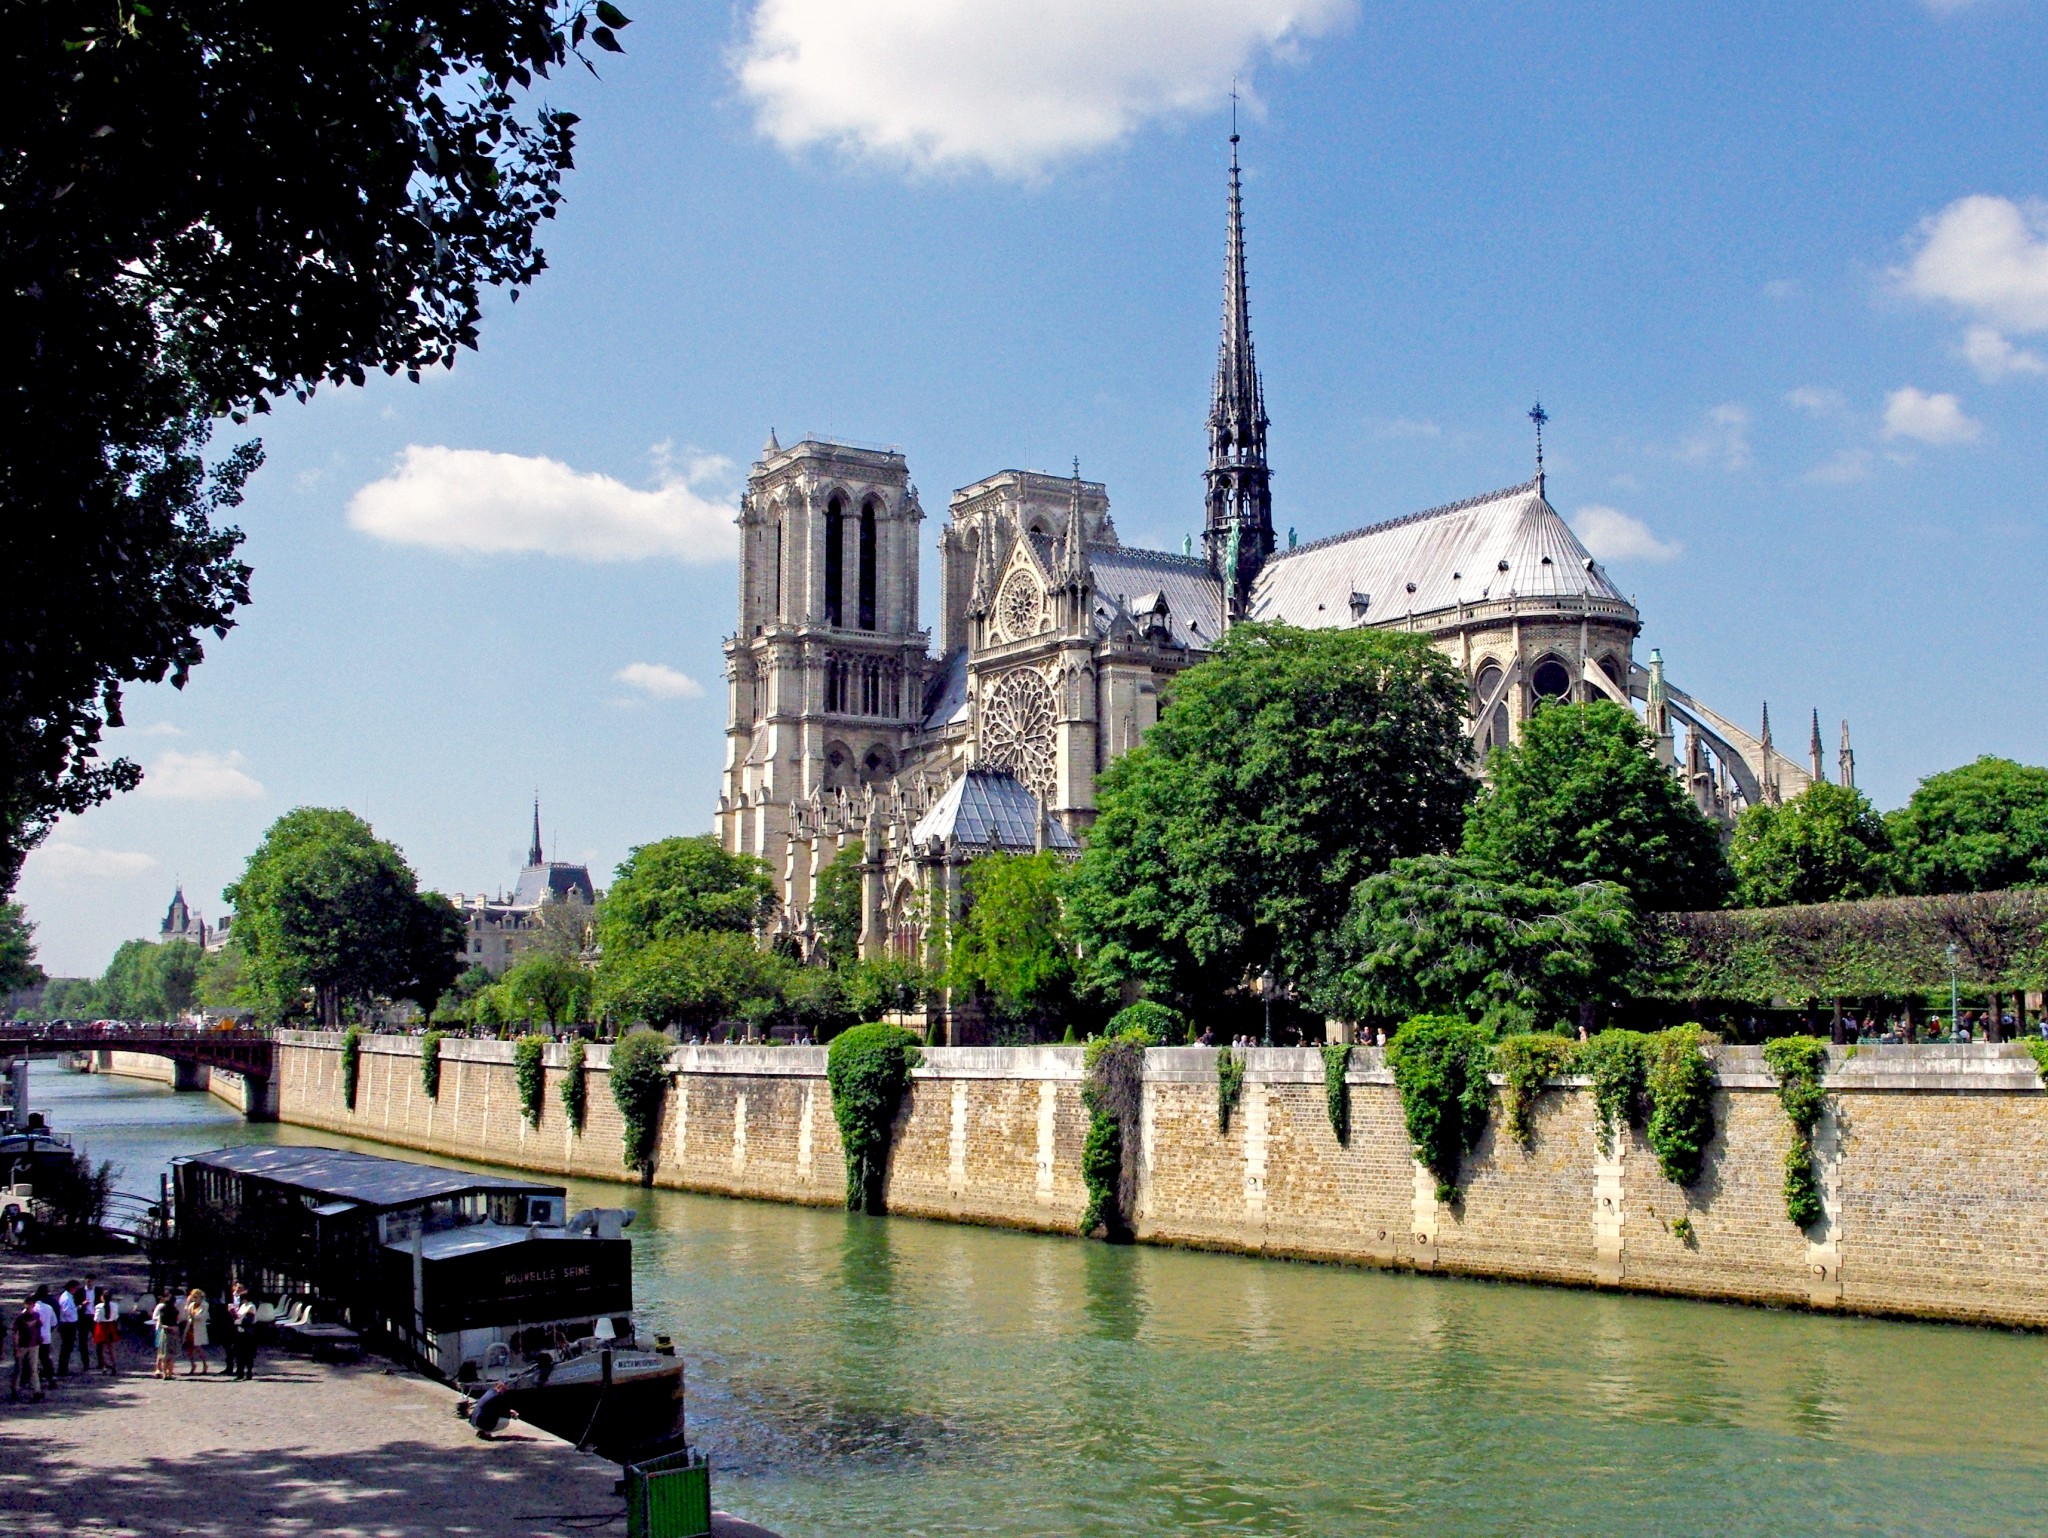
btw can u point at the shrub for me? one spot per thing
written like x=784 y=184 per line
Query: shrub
x=2038 y=1051
x=1680 y=1082
x=868 y=1068
x=1336 y=1096
x=1800 y=1062
x=639 y=1080
x=1526 y=1063
x=351 y=1064
x=1802 y=1189
x=529 y=1067
x=1440 y=1065
x=1618 y=1064
x=1114 y=1095
x=1229 y=1086
x=1166 y=1027
x=430 y=1063
x=575 y=1093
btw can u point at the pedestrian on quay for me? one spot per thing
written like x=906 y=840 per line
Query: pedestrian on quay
x=106 y=1328
x=67 y=1329
x=195 y=1333
x=229 y=1333
x=47 y=1314
x=28 y=1344
x=164 y=1317
x=243 y=1311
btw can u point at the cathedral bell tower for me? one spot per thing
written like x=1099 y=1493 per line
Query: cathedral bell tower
x=1237 y=531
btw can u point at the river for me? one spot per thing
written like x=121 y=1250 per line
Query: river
x=896 y=1377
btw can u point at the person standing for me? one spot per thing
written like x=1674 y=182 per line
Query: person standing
x=106 y=1328
x=48 y=1319
x=195 y=1332
x=67 y=1329
x=28 y=1342
x=165 y=1319
x=243 y=1310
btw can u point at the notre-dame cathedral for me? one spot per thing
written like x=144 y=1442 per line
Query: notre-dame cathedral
x=854 y=733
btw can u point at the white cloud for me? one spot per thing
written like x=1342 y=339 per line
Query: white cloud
x=1007 y=86
x=1988 y=256
x=659 y=681
x=202 y=776
x=1994 y=358
x=62 y=860
x=1409 y=427
x=471 y=501
x=1842 y=468
x=1612 y=535
x=1815 y=401
x=1724 y=437
x=1937 y=419
x=158 y=729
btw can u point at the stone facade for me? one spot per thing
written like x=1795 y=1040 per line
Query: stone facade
x=1928 y=1160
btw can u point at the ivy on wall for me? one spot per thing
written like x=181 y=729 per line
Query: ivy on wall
x=1336 y=1093
x=1229 y=1086
x=575 y=1093
x=639 y=1080
x=1801 y=1063
x=351 y=1064
x=1114 y=1093
x=868 y=1068
x=430 y=1063
x=529 y=1068
x=1680 y=1085
x=1618 y=1063
x=1525 y=1064
x=1440 y=1064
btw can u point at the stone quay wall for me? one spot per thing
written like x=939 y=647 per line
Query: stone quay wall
x=1930 y=1162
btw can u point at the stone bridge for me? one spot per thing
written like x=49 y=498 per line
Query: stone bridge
x=246 y=1059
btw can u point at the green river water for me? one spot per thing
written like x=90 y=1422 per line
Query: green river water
x=891 y=1377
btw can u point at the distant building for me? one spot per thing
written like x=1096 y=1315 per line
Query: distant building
x=182 y=921
x=500 y=927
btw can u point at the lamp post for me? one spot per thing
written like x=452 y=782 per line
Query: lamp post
x=1266 y=990
x=1954 y=993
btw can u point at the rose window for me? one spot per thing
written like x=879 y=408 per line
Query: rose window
x=1017 y=729
x=1019 y=606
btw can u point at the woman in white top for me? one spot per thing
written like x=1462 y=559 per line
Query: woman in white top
x=195 y=1332
x=106 y=1328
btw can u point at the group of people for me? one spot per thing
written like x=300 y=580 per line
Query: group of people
x=49 y=1330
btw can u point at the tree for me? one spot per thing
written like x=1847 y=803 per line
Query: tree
x=549 y=987
x=1444 y=935
x=1581 y=798
x=1010 y=945
x=18 y=967
x=1284 y=770
x=699 y=979
x=325 y=907
x=565 y=926
x=681 y=886
x=837 y=908
x=1827 y=844
x=147 y=981
x=204 y=207
x=223 y=980
x=1979 y=828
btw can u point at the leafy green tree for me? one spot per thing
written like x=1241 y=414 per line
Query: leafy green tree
x=681 y=886
x=836 y=909
x=18 y=967
x=71 y=998
x=1445 y=935
x=325 y=907
x=205 y=206
x=1580 y=798
x=459 y=1002
x=697 y=979
x=1010 y=946
x=1826 y=845
x=878 y=985
x=147 y=981
x=547 y=986
x=223 y=980
x=1285 y=769
x=1980 y=828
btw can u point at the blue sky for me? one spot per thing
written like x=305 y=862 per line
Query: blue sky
x=1779 y=274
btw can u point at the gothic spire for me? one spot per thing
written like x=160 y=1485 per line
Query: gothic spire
x=533 y=855
x=1813 y=750
x=1239 y=482
x=1845 y=761
x=1073 y=558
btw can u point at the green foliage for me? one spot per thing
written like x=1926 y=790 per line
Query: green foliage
x=18 y=967
x=326 y=907
x=1438 y=933
x=1010 y=945
x=529 y=1069
x=1801 y=1063
x=1980 y=828
x=639 y=1075
x=1114 y=1095
x=836 y=908
x=695 y=979
x=869 y=1069
x=575 y=1089
x=547 y=985
x=1682 y=1230
x=1581 y=798
x=222 y=981
x=148 y=981
x=1336 y=1094
x=1440 y=1065
x=1680 y=1085
x=351 y=1065
x=430 y=1063
x=2038 y=1051
x=1165 y=1027
x=1618 y=1063
x=875 y=986
x=1827 y=844
x=1284 y=770
x=1526 y=1063
x=1102 y=1163
x=1802 y=1187
x=682 y=886
x=1229 y=1085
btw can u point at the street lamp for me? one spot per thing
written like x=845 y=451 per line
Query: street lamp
x=1266 y=989
x=1954 y=993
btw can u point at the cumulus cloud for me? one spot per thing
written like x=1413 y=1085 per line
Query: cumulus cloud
x=202 y=776
x=658 y=680
x=1723 y=438
x=1609 y=534
x=1994 y=358
x=62 y=860
x=1006 y=86
x=1988 y=256
x=1842 y=468
x=474 y=502
x=1936 y=419
x=1815 y=401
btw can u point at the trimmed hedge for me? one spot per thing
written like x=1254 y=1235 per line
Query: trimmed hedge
x=868 y=1068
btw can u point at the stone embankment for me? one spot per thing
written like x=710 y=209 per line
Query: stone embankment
x=1929 y=1163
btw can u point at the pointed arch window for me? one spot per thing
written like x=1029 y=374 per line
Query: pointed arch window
x=867 y=565
x=835 y=557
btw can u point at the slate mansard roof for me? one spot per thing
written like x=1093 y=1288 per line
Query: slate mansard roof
x=1507 y=544
x=991 y=811
x=1194 y=596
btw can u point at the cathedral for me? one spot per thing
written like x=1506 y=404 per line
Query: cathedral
x=854 y=733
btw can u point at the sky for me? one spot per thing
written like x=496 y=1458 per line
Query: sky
x=1779 y=275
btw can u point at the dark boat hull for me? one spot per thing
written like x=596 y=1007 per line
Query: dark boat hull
x=631 y=1416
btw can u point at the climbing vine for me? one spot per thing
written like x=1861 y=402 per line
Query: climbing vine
x=868 y=1068
x=430 y=1063
x=1229 y=1086
x=1800 y=1062
x=575 y=1093
x=639 y=1075
x=1680 y=1082
x=1336 y=1094
x=1440 y=1065
x=1114 y=1094
x=529 y=1068
x=2038 y=1051
x=1618 y=1063
x=351 y=1064
x=1525 y=1064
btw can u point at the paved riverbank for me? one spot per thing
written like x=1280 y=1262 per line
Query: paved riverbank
x=307 y=1448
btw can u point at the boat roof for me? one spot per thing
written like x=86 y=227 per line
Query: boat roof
x=474 y=1238
x=340 y=1174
